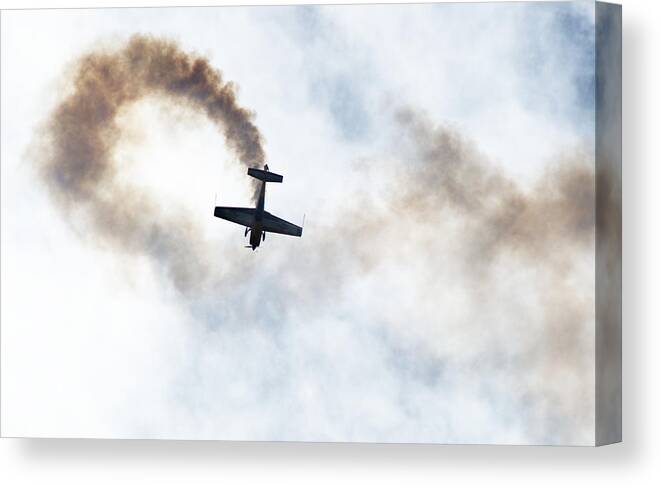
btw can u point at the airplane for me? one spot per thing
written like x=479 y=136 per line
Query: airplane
x=256 y=220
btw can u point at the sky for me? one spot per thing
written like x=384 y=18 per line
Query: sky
x=443 y=289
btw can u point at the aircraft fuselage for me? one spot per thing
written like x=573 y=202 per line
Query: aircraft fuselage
x=256 y=235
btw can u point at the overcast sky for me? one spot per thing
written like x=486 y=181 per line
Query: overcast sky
x=393 y=318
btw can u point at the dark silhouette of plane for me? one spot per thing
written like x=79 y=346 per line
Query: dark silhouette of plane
x=257 y=221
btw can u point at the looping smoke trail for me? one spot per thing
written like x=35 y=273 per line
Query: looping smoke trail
x=76 y=161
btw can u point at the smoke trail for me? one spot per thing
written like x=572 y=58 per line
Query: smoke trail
x=547 y=229
x=440 y=176
x=464 y=228
x=76 y=160
x=453 y=175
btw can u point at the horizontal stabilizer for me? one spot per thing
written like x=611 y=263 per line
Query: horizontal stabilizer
x=264 y=175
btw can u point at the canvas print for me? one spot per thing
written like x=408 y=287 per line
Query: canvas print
x=363 y=223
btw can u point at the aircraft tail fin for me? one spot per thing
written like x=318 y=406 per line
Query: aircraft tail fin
x=264 y=175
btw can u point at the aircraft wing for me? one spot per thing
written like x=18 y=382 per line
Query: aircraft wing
x=242 y=216
x=273 y=224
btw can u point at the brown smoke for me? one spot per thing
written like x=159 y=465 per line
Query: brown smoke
x=440 y=176
x=546 y=228
x=451 y=175
x=443 y=195
x=76 y=160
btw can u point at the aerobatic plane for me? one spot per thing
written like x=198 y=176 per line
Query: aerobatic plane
x=257 y=221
